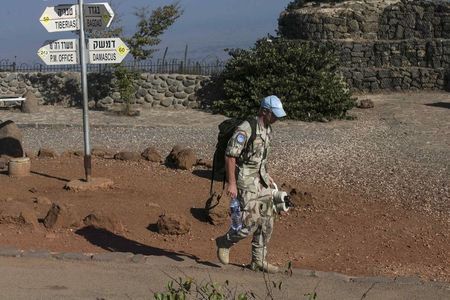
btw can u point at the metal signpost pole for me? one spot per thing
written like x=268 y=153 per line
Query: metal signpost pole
x=84 y=88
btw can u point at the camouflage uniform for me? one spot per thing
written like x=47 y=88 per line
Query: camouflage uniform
x=252 y=182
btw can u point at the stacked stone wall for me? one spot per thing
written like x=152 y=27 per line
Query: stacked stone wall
x=404 y=43
x=177 y=91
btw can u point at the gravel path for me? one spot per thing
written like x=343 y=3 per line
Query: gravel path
x=397 y=151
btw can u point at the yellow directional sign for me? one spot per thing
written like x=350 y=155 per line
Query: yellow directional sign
x=65 y=17
x=97 y=16
x=60 y=18
x=59 y=52
x=107 y=50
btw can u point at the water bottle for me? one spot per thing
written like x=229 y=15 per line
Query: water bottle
x=236 y=214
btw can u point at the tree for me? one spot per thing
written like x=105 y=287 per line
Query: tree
x=304 y=76
x=150 y=26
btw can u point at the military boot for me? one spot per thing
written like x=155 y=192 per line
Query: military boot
x=264 y=266
x=259 y=262
x=223 y=249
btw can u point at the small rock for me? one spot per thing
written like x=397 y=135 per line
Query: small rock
x=173 y=225
x=42 y=200
x=59 y=216
x=364 y=103
x=127 y=155
x=151 y=154
x=47 y=153
x=107 y=222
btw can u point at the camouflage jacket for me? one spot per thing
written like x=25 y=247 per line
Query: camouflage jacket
x=251 y=166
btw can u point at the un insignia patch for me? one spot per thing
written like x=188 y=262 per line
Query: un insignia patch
x=240 y=138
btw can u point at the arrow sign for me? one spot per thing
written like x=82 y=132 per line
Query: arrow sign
x=97 y=16
x=107 y=50
x=60 y=18
x=59 y=52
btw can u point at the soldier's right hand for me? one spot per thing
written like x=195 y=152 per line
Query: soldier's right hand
x=232 y=190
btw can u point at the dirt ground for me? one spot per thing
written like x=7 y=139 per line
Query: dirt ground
x=335 y=231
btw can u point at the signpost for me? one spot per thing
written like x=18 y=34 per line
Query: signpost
x=69 y=17
x=107 y=50
x=84 y=89
x=60 y=18
x=60 y=52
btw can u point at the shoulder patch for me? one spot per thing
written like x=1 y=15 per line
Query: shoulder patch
x=240 y=138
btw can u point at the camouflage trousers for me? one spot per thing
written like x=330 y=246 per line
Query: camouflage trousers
x=257 y=220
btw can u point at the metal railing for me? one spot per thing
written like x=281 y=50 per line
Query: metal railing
x=157 y=67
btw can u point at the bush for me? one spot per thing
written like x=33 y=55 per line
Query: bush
x=300 y=3
x=303 y=76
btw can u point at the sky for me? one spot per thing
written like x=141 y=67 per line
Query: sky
x=206 y=26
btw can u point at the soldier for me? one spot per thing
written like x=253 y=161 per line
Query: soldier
x=249 y=181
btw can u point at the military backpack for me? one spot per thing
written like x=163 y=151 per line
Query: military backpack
x=226 y=131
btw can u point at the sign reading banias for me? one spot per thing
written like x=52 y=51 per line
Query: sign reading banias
x=60 y=18
x=107 y=50
x=97 y=16
x=59 y=52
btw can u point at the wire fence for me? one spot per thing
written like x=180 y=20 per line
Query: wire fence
x=157 y=67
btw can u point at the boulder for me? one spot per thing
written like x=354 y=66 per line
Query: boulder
x=107 y=222
x=152 y=155
x=181 y=158
x=10 y=139
x=103 y=153
x=30 y=105
x=173 y=224
x=127 y=155
x=17 y=213
x=60 y=216
x=364 y=103
x=186 y=159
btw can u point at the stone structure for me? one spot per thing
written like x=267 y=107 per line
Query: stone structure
x=382 y=44
x=151 y=90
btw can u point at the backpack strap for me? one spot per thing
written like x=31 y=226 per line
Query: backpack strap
x=212 y=177
x=253 y=122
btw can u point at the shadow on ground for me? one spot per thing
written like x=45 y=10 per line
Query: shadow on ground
x=200 y=214
x=50 y=176
x=208 y=174
x=439 y=104
x=116 y=243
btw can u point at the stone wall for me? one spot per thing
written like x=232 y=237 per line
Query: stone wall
x=151 y=90
x=382 y=44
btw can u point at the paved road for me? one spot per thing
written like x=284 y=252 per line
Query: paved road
x=49 y=278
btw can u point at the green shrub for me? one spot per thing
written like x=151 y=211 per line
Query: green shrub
x=300 y=3
x=303 y=76
x=125 y=78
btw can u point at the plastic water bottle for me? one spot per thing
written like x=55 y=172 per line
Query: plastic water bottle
x=236 y=214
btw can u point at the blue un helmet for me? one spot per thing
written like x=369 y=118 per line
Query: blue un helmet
x=274 y=104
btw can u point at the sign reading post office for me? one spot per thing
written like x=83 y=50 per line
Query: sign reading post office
x=59 y=52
